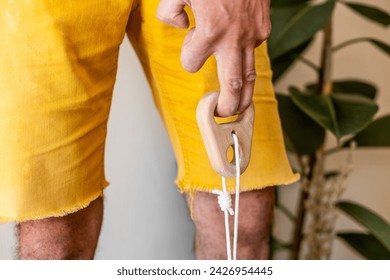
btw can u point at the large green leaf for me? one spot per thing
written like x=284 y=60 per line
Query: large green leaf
x=381 y=45
x=303 y=135
x=366 y=244
x=373 y=13
x=377 y=134
x=342 y=114
x=284 y=3
x=279 y=19
x=281 y=64
x=353 y=112
x=351 y=86
x=294 y=25
x=355 y=86
x=372 y=221
x=319 y=107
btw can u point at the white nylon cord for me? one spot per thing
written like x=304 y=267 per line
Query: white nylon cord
x=237 y=200
x=225 y=203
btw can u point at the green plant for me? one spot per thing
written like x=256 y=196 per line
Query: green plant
x=310 y=115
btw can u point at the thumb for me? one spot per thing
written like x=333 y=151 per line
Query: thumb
x=195 y=51
x=172 y=12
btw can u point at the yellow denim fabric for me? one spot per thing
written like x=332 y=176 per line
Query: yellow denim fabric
x=57 y=71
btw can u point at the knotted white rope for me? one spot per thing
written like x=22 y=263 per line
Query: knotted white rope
x=224 y=200
x=225 y=203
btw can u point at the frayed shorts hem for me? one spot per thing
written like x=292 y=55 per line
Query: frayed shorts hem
x=72 y=208
x=191 y=187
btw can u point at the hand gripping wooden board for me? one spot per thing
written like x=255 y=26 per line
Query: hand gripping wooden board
x=218 y=138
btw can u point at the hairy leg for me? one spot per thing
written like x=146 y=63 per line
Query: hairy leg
x=73 y=236
x=255 y=218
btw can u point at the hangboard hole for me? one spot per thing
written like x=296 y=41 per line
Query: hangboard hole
x=230 y=154
x=230 y=119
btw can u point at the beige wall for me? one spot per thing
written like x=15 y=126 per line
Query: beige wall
x=369 y=183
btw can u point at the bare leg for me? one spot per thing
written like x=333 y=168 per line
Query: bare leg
x=73 y=236
x=256 y=211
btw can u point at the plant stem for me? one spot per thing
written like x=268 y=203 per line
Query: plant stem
x=325 y=80
x=324 y=87
x=347 y=43
x=308 y=63
x=287 y=212
x=300 y=220
x=333 y=150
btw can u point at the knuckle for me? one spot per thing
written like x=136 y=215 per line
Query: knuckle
x=250 y=76
x=210 y=34
x=162 y=14
x=250 y=34
x=264 y=33
x=178 y=20
x=235 y=85
x=162 y=17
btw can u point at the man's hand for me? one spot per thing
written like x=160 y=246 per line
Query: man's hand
x=229 y=29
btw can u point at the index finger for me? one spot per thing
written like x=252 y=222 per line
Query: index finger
x=229 y=64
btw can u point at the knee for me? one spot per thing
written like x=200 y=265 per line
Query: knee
x=55 y=253
x=73 y=236
x=255 y=226
x=38 y=244
x=256 y=212
x=253 y=242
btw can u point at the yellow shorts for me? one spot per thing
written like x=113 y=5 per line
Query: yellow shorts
x=57 y=72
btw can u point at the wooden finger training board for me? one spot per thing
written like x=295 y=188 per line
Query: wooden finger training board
x=218 y=138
